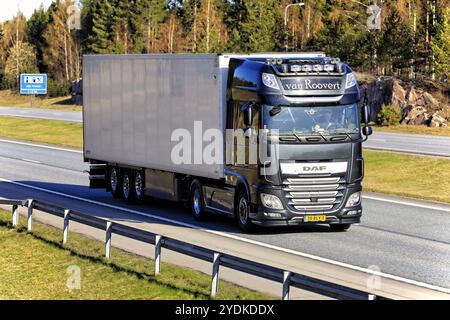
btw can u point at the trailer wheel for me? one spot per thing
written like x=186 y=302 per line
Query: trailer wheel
x=139 y=187
x=196 y=201
x=115 y=182
x=127 y=187
x=242 y=211
x=339 y=227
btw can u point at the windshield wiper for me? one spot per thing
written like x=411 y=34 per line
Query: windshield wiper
x=346 y=133
x=300 y=134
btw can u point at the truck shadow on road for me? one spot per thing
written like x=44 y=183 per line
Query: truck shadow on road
x=101 y=204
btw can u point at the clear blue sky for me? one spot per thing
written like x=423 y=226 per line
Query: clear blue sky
x=9 y=7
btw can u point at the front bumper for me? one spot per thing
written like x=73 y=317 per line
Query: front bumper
x=265 y=217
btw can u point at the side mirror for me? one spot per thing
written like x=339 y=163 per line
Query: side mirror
x=365 y=112
x=248 y=115
x=367 y=131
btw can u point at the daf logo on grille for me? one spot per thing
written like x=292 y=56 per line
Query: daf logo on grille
x=314 y=168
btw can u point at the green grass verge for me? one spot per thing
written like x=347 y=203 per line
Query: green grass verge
x=34 y=266
x=424 y=130
x=10 y=99
x=68 y=134
x=405 y=175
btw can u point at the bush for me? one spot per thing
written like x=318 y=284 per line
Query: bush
x=57 y=89
x=389 y=115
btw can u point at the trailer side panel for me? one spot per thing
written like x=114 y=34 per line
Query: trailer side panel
x=134 y=103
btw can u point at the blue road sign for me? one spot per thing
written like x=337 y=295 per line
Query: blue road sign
x=33 y=83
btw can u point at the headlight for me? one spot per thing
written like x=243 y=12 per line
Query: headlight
x=351 y=80
x=270 y=81
x=270 y=201
x=353 y=200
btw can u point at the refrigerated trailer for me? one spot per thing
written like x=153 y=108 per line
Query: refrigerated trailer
x=168 y=126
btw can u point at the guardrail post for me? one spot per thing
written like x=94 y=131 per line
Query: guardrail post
x=66 y=226
x=15 y=215
x=158 y=243
x=108 y=240
x=286 y=285
x=215 y=275
x=30 y=215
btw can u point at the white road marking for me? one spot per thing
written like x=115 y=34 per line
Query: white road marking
x=32 y=161
x=414 y=152
x=411 y=204
x=230 y=236
x=27 y=116
x=40 y=146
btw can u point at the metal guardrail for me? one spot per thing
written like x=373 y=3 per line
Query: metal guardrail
x=286 y=278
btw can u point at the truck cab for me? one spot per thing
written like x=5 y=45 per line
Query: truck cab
x=308 y=106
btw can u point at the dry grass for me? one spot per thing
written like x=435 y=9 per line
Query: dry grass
x=34 y=266
x=9 y=99
x=68 y=134
x=411 y=176
x=424 y=130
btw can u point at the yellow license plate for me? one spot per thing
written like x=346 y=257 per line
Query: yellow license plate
x=316 y=218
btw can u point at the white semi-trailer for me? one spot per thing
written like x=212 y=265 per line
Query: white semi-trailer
x=138 y=110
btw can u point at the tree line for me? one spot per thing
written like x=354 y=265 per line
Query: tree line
x=413 y=40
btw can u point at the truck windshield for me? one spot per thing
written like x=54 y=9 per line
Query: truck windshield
x=312 y=120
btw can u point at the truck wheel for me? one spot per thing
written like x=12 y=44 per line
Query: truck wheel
x=115 y=182
x=242 y=211
x=139 y=187
x=339 y=227
x=196 y=201
x=127 y=187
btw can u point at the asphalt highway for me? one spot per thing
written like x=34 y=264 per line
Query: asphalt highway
x=37 y=113
x=407 y=143
x=398 y=237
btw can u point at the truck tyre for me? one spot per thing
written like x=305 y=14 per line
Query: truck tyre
x=127 y=187
x=139 y=187
x=242 y=211
x=196 y=201
x=339 y=227
x=115 y=182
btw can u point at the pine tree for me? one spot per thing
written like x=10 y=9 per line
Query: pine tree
x=395 y=45
x=35 y=28
x=257 y=31
x=441 y=47
x=100 y=32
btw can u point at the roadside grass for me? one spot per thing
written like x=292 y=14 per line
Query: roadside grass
x=10 y=99
x=406 y=175
x=424 y=130
x=67 y=134
x=34 y=266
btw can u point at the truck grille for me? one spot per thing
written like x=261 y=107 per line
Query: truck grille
x=314 y=194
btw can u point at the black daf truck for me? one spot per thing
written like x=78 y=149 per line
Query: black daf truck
x=302 y=109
